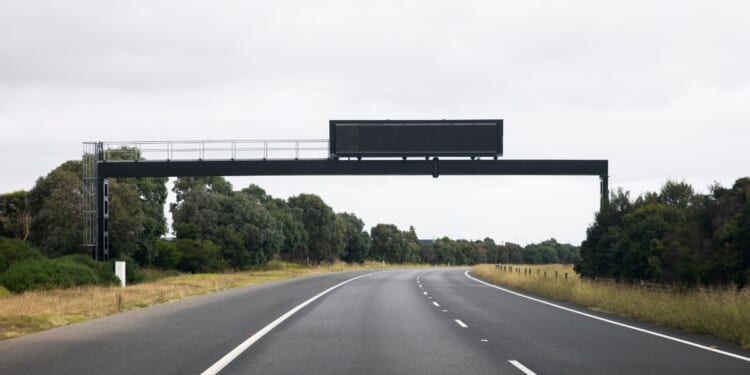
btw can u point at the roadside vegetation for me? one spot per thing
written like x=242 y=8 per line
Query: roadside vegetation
x=673 y=236
x=720 y=312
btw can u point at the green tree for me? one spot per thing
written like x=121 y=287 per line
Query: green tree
x=56 y=214
x=548 y=251
x=357 y=241
x=491 y=250
x=677 y=194
x=387 y=243
x=15 y=215
x=168 y=256
x=503 y=254
x=199 y=256
x=258 y=193
x=454 y=252
x=262 y=236
x=196 y=211
x=531 y=254
x=731 y=261
x=325 y=242
x=294 y=233
x=428 y=254
x=54 y=209
x=673 y=236
x=463 y=251
x=568 y=254
x=242 y=229
x=603 y=236
x=645 y=241
x=152 y=193
x=515 y=253
x=411 y=247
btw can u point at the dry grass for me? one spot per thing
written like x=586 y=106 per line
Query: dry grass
x=30 y=312
x=718 y=312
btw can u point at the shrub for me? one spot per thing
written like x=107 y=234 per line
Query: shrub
x=37 y=274
x=13 y=251
x=4 y=292
x=76 y=274
x=64 y=272
x=199 y=256
x=104 y=271
x=167 y=255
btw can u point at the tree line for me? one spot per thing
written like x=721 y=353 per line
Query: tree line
x=217 y=228
x=672 y=236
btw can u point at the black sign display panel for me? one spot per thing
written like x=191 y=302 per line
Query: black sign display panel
x=400 y=138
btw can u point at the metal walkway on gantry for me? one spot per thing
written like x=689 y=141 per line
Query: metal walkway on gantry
x=103 y=160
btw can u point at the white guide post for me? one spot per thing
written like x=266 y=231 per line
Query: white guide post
x=120 y=271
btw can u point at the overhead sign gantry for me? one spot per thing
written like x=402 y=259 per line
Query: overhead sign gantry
x=355 y=147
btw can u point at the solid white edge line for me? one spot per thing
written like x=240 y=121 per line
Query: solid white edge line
x=462 y=324
x=521 y=367
x=681 y=341
x=232 y=355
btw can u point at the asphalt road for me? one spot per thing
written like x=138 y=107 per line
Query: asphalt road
x=429 y=321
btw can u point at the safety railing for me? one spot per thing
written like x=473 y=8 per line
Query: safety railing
x=216 y=150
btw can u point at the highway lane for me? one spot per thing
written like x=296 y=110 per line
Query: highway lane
x=180 y=337
x=442 y=322
x=423 y=321
x=552 y=341
x=382 y=324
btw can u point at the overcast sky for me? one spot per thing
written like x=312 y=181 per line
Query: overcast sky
x=660 y=88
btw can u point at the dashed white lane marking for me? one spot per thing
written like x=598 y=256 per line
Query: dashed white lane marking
x=462 y=324
x=420 y=286
x=436 y=304
x=521 y=367
x=425 y=293
x=229 y=357
x=444 y=310
x=612 y=321
x=484 y=340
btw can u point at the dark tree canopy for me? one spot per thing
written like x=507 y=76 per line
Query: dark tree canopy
x=356 y=240
x=674 y=236
x=325 y=239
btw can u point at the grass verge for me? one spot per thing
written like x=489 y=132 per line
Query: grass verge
x=30 y=312
x=721 y=313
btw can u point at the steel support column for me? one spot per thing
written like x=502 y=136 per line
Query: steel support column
x=102 y=222
x=604 y=183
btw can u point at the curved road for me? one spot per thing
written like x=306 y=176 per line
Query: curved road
x=423 y=321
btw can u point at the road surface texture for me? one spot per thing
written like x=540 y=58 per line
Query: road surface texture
x=422 y=321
